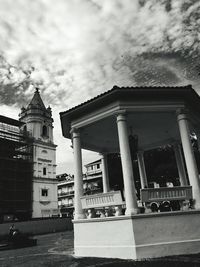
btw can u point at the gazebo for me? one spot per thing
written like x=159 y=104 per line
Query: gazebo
x=157 y=116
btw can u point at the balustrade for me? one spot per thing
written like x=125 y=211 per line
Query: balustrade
x=166 y=198
x=112 y=204
x=107 y=204
x=166 y=193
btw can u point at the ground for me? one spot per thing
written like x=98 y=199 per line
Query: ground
x=57 y=250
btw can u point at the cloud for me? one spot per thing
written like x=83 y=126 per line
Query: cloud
x=74 y=50
x=87 y=46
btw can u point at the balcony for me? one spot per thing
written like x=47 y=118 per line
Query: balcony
x=66 y=193
x=92 y=191
x=69 y=205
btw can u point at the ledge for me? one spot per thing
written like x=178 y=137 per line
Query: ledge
x=136 y=216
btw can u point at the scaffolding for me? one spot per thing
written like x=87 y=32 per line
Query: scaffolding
x=16 y=170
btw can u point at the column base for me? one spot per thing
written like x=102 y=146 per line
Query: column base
x=79 y=216
x=196 y=205
x=196 y=199
x=132 y=211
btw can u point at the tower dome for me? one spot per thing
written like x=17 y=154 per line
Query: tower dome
x=38 y=118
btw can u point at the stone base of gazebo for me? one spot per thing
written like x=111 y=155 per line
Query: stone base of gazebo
x=139 y=236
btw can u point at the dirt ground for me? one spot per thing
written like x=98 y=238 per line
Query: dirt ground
x=57 y=250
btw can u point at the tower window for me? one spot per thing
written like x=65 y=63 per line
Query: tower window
x=44 y=130
x=44 y=171
x=44 y=192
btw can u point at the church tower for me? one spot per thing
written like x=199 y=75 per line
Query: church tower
x=39 y=125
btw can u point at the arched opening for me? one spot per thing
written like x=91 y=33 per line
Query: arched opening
x=44 y=130
x=44 y=171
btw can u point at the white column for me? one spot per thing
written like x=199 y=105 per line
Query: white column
x=180 y=164
x=189 y=158
x=78 y=177
x=142 y=171
x=129 y=186
x=198 y=140
x=105 y=178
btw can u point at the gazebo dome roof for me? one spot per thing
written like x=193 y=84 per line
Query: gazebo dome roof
x=154 y=92
x=151 y=111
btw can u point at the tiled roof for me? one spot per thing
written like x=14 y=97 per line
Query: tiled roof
x=10 y=121
x=37 y=101
x=93 y=162
x=151 y=89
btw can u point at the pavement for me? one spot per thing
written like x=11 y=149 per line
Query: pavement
x=57 y=250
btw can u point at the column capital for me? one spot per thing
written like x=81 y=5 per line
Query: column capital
x=182 y=111
x=182 y=114
x=103 y=154
x=140 y=152
x=176 y=144
x=74 y=132
x=121 y=115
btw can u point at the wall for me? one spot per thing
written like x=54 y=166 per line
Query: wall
x=39 y=226
x=42 y=204
x=110 y=237
x=139 y=236
x=167 y=233
x=44 y=156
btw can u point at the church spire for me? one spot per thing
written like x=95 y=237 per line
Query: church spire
x=37 y=101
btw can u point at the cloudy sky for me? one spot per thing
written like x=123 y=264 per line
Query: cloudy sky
x=73 y=50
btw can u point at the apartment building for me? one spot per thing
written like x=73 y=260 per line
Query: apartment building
x=92 y=184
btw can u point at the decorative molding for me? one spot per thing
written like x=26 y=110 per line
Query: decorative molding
x=45 y=202
x=96 y=116
x=44 y=160
x=43 y=179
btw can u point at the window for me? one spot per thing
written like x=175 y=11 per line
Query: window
x=44 y=171
x=44 y=130
x=90 y=168
x=44 y=192
x=98 y=166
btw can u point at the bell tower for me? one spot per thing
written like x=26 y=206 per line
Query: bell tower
x=39 y=125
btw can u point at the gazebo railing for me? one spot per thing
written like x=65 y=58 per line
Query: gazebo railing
x=166 y=193
x=112 y=204
x=105 y=203
x=166 y=198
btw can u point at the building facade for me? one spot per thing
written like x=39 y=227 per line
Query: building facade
x=38 y=123
x=92 y=184
x=15 y=171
